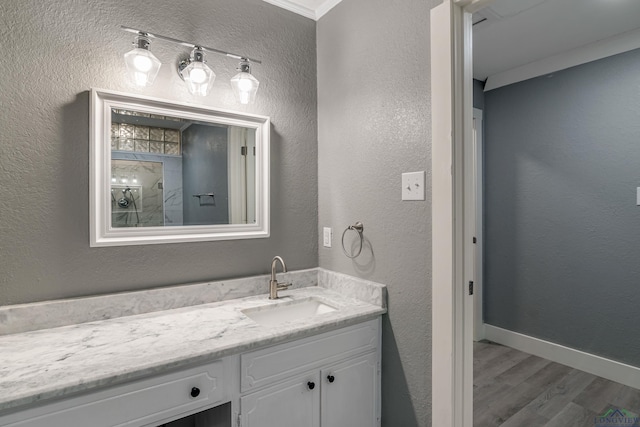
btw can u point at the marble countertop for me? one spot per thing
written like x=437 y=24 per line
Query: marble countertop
x=52 y=363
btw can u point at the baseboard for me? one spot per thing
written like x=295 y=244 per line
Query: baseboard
x=479 y=331
x=596 y=365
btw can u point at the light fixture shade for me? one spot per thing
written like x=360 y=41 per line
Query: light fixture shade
x=244 y=85
x=142 y=65
x=198 y=76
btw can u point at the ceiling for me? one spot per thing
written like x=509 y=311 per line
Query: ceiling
x=509 y=34
x=512 y=33
x=313 y=9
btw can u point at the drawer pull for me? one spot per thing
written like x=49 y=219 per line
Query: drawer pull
x=331 y=378
x=311 y=385
x=195 y=392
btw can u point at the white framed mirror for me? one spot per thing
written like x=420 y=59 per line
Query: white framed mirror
x=165 y=172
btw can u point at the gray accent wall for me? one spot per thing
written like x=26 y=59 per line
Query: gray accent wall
x=373 y=125
x=54 y=52
x=478 y=94
x=562 y=248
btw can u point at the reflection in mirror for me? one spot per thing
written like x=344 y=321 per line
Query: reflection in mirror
x=167 y=172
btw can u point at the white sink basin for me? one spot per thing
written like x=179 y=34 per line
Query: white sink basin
x=270 y=315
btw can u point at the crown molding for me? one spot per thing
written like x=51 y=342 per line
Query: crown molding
x=326 y=7
x=307 y=12
x=294 y=7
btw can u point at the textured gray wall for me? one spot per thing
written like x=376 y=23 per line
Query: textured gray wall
x=53 y=52
x=373 y=125
x=562 y=163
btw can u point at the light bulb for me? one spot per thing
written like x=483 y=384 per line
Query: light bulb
x=245 y=85
x=140 y=79
x=244 y=97
x=142 y=63
x=198 y=75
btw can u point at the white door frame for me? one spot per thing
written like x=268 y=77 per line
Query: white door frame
x=452 y=130
x=474 y=162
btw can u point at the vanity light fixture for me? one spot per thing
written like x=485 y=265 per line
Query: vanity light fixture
x=244 y=85
x=195 y=72
x=143 y=67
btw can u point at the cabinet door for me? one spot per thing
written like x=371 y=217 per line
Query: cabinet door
x=351 y=393
x=294 y=403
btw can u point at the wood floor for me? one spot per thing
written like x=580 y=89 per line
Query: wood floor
x=516 y=389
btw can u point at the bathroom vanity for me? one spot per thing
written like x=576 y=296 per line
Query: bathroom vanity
x=310 y=358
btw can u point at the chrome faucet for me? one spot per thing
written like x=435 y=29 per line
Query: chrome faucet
x=274 y=286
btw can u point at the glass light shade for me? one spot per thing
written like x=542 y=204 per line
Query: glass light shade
x=245 y=87
x=142 y=66
x=198 y=76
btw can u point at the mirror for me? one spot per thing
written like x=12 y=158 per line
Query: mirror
x=166 y=172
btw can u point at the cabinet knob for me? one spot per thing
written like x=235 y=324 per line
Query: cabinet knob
x=311 y=385
x=195 y=392
x=331 y=378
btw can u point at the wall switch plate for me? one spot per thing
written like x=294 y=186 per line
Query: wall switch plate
x=638 y=196
x=413 y=186
x=326 y=237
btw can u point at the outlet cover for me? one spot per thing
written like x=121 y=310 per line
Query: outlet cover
x=413 y=186
x=326 y=237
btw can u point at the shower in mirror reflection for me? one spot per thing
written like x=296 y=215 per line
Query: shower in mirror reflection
x=127 y=201
x=136 y=198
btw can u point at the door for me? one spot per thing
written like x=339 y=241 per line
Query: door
x=350 y=394
x=294 y=403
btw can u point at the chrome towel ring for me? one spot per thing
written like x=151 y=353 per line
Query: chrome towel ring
x=359 y=228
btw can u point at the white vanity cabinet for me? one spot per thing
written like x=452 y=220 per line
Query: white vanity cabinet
x=329 y=380
x=144 y=402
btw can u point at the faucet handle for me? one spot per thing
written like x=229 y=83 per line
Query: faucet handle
x=283 y=286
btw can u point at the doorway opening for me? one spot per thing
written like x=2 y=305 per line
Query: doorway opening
x=453 y=306
x=560 y=177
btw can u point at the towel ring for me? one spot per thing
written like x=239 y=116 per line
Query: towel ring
x=359 y=228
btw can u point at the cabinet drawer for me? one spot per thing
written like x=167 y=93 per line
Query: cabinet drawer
x=272 y=364
x=138 y=403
